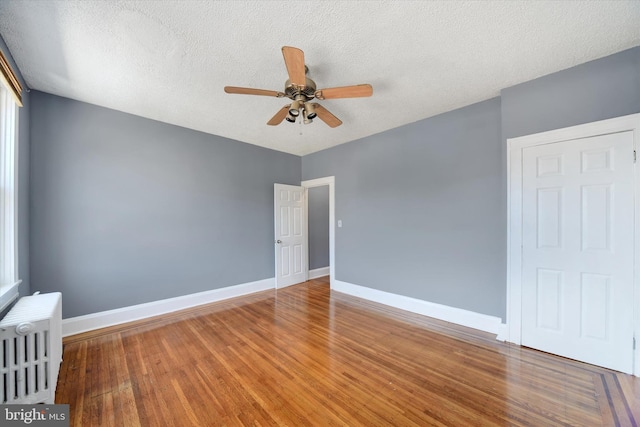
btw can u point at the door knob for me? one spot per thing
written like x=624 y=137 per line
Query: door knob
x=278 y=241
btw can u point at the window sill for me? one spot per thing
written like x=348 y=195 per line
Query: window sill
x=8 y=295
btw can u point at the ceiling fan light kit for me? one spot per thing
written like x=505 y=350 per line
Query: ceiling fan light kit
x=310 y=110
x=306 y=119
x=301 y=90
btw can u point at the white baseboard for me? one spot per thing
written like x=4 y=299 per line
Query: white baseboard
x=458 y=316
x=503 y=332
x=318 y=272
x=103 y=319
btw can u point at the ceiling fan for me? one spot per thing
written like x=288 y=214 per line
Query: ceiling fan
x=301 y=90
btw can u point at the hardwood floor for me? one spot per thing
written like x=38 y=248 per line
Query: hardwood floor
x=306 y=356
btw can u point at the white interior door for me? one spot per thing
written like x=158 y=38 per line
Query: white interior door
x=290 y=239
x=578 y=249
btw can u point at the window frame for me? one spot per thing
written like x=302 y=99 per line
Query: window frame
x=9 y=281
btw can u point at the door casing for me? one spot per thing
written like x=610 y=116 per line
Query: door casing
x=320 y=182
x=514 y=214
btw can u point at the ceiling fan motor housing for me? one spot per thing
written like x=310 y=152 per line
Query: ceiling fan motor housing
x=308 y=91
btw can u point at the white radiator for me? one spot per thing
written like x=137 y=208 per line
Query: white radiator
x=31 y=349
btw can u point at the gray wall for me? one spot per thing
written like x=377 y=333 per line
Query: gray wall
x=421 y=207
x=23 y=179
x=127 y=210
x=318 y=227
x=424 y=205
x=597 y=90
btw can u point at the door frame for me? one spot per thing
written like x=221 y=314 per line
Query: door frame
x=515 y=147
x=320 y=182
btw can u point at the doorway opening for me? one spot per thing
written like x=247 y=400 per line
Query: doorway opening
x=320 y=192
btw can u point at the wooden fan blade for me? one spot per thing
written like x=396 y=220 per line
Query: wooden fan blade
x=294 y=60
x=326 y=116
x=279 y=117
x=249 y=91
x=357 y=91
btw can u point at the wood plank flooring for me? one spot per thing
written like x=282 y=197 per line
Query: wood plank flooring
x=306 y=356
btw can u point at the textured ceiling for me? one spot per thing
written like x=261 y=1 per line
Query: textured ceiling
x=169 y=60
